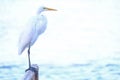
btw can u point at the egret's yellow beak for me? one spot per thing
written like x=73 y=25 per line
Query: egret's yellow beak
x=50 y=9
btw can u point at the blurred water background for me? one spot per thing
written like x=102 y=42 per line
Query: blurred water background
x=82 y=41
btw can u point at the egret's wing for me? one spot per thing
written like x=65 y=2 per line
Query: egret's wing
x=35 y=27
x=26 y=37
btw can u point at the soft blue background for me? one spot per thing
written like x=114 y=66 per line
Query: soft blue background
x=82 y=40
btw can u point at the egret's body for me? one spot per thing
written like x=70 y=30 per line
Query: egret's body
x=36 y=26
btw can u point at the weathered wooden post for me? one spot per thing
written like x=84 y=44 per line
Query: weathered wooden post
x=32 y=73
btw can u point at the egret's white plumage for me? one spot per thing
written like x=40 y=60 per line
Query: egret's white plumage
x=34 y=28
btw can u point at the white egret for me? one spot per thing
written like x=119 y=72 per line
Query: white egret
x=35 y=27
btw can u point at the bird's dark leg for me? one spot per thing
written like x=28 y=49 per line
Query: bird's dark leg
x=29 y=62
x=31 y=68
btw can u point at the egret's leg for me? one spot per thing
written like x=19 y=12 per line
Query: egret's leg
x=29 y=62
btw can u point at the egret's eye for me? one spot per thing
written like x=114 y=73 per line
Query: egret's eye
x=44 y=7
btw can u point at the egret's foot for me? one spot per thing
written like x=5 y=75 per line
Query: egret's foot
x=32 y=69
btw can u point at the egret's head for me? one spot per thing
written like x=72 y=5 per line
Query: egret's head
x=41 y=9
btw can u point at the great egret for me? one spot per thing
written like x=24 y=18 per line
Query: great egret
x=36 y=26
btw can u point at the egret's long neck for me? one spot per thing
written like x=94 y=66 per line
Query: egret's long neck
x=39 y=11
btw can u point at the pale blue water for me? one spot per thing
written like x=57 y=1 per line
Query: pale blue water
x=96 y=70
x=82 y=41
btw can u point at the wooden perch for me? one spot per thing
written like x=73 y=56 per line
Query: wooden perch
x=32 y=73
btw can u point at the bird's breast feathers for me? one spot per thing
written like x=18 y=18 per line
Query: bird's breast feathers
x=41 y=24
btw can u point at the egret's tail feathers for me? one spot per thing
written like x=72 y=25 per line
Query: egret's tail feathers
x=20 y=50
